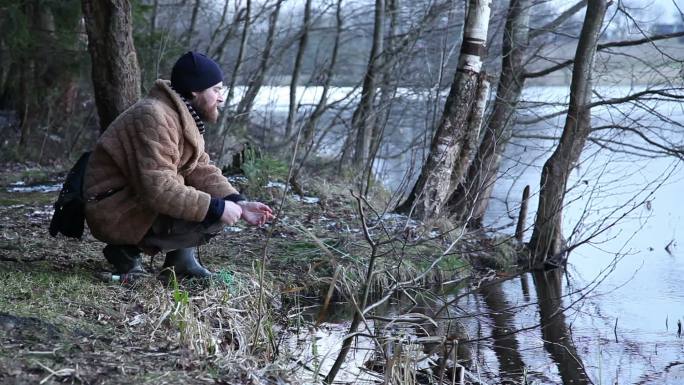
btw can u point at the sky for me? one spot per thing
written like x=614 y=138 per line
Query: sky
x=661 y=11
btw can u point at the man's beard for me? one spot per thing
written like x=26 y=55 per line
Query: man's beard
x=206 y=113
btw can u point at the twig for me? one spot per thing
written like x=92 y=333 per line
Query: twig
x=669 y=245
x=365 y=288
x=59 y=373
x=264 y=254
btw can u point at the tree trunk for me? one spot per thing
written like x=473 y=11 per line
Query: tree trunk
x=239 y=12
x=363 y=119
x=303 y=39
x=193 y=22
x=241 y=52
x=217 y=29
x=26 y=101
x=546 y=238
x=472 y=134
x=522 y=215
x=226 y=117
x=433 y=187
x=5 y=70
x=115 y=71
x=469 y=200
x=26 y=76
x=309 y=130
x=387 y=86
x=153 y=18
x=256 y=81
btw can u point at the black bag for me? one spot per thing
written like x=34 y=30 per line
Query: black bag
x=69 y=216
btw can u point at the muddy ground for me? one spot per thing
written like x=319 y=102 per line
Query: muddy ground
x=62 y=322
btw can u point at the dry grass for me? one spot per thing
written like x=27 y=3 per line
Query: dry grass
x=91 y=331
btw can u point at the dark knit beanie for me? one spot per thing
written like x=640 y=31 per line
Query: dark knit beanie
x=194 y=72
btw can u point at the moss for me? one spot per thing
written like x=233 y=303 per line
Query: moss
x=502 y=254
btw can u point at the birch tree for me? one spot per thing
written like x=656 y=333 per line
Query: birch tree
x=546 y=238
x=434 y=184
x=470 y=198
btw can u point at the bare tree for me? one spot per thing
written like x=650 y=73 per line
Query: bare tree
x=193 y=22
x=244 y=37
x=309 y=129
x=470 y=198
x=115 y=71
x=239 y=13
x=363 y=120
x=547 y=236
x=389 y=78
x=303 y=39
x=433 y=187
x=257 y=79
x=217 y=29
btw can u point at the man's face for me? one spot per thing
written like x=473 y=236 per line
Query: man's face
x=207 y=102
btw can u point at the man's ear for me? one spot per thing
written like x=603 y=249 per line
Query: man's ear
x=193 y=95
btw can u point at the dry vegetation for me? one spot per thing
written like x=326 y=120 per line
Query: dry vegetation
x=61 y=321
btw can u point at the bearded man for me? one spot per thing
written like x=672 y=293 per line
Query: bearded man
x=149 y=184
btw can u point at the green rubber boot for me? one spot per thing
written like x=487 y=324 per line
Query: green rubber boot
x=126 y=259
x=185 y=264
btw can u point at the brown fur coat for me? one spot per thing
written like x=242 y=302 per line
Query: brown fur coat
x=153 y=156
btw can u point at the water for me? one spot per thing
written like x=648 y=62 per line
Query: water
x=612 y=317
x=21 y=187
x=628 y=296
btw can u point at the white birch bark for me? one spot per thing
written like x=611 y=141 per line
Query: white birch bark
x=432 y=189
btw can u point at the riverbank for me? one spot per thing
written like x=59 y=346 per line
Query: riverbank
x=61 y=320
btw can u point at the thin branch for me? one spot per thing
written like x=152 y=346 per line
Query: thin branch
x=602 y=47
x=553 y=24
x=662 y=92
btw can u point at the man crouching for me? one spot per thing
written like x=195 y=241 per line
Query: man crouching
x=149 y=184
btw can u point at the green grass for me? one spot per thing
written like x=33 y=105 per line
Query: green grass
x=52 y=295
x=34 y=198
x=260 y=169
x=29 y=177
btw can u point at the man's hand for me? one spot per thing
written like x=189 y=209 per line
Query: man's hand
x=255 y=213
x=231 y=213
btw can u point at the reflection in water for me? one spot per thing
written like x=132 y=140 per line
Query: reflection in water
x=506 y=347
x=525 y=287
x=557 y=339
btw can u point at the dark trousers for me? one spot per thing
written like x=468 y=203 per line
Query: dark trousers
x=168 y=234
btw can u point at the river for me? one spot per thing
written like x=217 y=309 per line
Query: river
x=626 y=299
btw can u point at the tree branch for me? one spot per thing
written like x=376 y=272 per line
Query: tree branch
x=601 y=47
x=553 y=24
x=662 y=92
